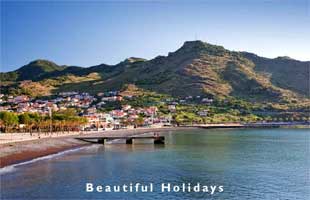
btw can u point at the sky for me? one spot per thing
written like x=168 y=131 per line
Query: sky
x=87 y=33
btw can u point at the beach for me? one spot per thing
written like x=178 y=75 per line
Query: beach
x=17 y=152
x=26 y=147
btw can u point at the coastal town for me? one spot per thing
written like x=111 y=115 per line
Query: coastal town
x=111 y=110
x=175 y=99
x=91 y=108
x=88 y=107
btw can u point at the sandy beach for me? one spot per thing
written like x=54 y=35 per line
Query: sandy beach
x=25 y=148
x=13 y=153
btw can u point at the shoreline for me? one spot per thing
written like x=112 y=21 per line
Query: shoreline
x=19 y=152
x=22 y=151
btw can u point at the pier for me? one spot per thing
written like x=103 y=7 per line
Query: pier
x=129 y=139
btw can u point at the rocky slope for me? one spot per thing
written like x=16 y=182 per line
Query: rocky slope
x=197 y=68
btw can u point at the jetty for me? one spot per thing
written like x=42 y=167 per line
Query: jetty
x=129 y=139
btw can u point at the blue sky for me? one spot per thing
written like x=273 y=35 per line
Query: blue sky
x=89 y=33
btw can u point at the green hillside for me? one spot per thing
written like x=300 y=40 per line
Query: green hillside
x=197 y=68
x=32 y=71
x=284 y=72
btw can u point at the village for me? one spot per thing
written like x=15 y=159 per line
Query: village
x=120 y=116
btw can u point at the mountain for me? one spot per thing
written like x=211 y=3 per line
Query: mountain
x=34 y=70
x=284 y=72
x=197 y=68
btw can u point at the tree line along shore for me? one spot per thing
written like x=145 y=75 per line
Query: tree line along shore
x=134 y=108
x=69 y=121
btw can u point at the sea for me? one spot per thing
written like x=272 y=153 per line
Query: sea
x=192 y=164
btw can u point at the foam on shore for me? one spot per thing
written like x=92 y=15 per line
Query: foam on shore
x=11 y=168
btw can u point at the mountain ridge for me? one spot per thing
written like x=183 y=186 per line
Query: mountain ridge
x=196 y=68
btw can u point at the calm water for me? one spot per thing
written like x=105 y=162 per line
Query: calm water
x=250 y=164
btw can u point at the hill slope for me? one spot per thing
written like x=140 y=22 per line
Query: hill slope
x=32 y=71
x=284 y=72
x=197 y=68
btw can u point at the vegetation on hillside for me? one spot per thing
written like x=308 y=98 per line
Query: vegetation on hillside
x=197 y=68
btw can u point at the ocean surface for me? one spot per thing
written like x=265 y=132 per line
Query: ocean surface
x=248 y=163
